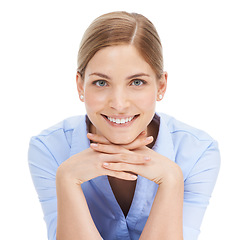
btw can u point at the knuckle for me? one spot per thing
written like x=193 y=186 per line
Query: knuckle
x=123 y=156
x=121 y=175
x=120 y=165
x=100 y=146
x=116 y=174
x=118 y=148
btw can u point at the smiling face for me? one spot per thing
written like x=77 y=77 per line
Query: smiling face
x=120 y=91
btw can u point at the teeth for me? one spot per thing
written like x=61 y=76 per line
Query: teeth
x=120 y=121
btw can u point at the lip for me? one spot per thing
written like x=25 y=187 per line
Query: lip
x=120 y=117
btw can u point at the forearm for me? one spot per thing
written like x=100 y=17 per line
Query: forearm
x=165 y=219
x=74 y=220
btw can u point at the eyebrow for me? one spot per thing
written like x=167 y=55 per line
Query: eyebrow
x=129 y=77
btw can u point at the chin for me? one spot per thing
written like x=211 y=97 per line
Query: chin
x=121 y=140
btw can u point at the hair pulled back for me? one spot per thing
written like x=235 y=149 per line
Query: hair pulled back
x=118 y=28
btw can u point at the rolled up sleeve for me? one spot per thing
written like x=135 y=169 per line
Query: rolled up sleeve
x=43 y=169
x=198 y=188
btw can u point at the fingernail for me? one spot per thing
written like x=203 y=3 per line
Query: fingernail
x=105 y=164
x=90 y=134
x=147 y=158
x=149 y=138
x=134 y=177
x=94 y=145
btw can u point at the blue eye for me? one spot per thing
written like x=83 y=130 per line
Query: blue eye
x=138 y=82
x=100 y=83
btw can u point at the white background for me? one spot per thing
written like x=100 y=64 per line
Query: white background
x=38 y=52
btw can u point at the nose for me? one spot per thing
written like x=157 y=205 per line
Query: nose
x=119 y=100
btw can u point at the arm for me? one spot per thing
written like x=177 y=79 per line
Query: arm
x=74 y=220
x=43 y=167
x=63 y=203
x=198 y=187
x=165 y=219
x=56 y=192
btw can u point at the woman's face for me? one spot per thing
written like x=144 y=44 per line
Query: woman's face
x=120 y=91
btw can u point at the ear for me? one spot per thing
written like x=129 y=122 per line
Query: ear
x=162 y=86
x=80 y=86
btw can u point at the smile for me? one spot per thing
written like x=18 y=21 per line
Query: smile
x=120 y=121
x=123 y=121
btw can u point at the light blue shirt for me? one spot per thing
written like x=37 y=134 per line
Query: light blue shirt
x=193 y=150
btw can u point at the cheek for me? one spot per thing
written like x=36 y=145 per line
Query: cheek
x=147 y=100
x=94 y=101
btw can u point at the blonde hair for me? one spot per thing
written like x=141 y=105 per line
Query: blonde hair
x=118 y=28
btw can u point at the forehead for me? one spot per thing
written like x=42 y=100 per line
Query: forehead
x=118 y=59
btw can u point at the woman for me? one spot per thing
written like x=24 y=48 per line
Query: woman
x=123 y=171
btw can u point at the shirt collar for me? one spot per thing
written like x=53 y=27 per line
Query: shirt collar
x=80 y=141
x=163 y=144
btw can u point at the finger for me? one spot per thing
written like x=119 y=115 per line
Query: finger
x=118 y=153
x=108 y=148
x=139 y=142
x=122 y=167
x=120 y=175
x=97 y=138
x=130 y=158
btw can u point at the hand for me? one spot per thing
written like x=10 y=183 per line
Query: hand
x=140 y=141
x=88 y=164
x=158 y=168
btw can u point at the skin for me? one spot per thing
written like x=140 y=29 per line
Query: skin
x=120 y=153
x=120 y=96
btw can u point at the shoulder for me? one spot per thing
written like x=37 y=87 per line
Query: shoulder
x=181 y=129
x=65 y=125
x=56 y=140
x=191 y=145
x=60 y=130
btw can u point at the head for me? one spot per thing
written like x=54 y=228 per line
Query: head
x=120 y=74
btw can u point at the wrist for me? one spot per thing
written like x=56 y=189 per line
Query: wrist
x=63 y=176
x=173 y=177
